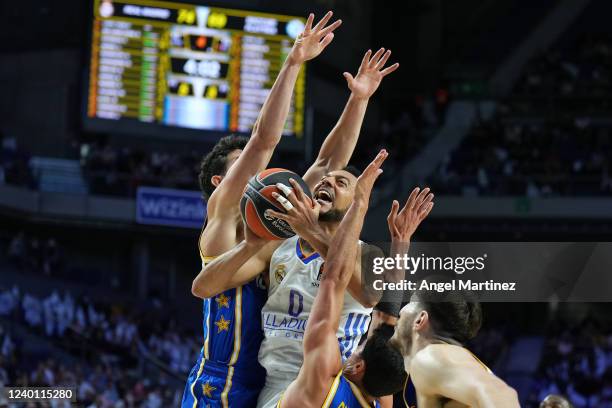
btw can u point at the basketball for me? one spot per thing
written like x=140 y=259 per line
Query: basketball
x=257 y=198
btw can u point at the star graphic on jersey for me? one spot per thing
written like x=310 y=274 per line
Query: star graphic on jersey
x=223 y=301
x=222 y=324
x=207 y=389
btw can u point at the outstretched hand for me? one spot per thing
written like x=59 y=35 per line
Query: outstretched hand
x=402 y=224
x=313 y=40
x=370 y=73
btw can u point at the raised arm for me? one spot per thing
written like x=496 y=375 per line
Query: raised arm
x=339 y=145
x=452 y=372
x=268 y=128
x=322 y=360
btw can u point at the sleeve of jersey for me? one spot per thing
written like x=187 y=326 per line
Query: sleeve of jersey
x=206 y=260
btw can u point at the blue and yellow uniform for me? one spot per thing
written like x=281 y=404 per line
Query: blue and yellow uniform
x=227 y=373
x=344 y=394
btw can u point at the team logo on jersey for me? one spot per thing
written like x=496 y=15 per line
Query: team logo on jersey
x=279 y=273
x=207 y=389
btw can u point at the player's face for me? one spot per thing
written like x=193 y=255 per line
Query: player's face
x=402 y=337
x=335 y=194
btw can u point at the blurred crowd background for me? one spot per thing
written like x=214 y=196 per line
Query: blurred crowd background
x=501 y=108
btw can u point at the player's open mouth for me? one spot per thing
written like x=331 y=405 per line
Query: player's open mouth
x=324 y=197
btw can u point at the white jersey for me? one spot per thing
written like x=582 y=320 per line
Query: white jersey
x=294 y=282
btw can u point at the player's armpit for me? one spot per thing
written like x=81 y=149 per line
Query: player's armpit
x=219 y=235
x=232 y=269
x=452 y=372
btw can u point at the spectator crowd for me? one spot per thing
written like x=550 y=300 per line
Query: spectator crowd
x=35 y=254
x=109 y=341
x=577 y=363
x=551 y=137
x=119 y=171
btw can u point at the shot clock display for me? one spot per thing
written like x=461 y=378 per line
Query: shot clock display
x=188 y=66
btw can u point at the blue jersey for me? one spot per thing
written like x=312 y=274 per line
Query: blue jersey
x=228 y=364
x=409 y=394
x=344 y=394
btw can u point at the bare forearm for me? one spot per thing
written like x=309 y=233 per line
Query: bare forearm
x=325 y=314
x=266 y=134
x=338 y=147
x=397 y=249
x=343 y=248
x=216 y=276
x=273 y=115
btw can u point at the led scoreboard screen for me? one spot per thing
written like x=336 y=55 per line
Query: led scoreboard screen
x=187 y=66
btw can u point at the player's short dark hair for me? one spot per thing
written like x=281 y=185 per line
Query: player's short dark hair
x=553 y=400
x=456 y=315
x=353 y=170
x=384 y=365
x=215 y=162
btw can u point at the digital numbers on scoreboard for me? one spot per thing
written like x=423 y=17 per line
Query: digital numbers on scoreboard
x=189 y=66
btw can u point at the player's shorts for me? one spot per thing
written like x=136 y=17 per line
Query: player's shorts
x=269 y=396
x=220 y=386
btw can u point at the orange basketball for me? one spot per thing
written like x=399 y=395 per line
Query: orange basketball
x=257 y=198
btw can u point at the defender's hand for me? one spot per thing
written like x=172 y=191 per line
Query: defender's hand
x=366 y=180
x=313 y=40
x=302 y=212
x=370 y=73
x=402 y=224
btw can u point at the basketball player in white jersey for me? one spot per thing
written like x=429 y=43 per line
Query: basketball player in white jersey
x=430 y=333
x=375 y=369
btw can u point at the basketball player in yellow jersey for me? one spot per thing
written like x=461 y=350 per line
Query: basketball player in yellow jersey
x=430 y=332
x=374 y=369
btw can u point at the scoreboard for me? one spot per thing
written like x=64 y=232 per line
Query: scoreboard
x=188 y=66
